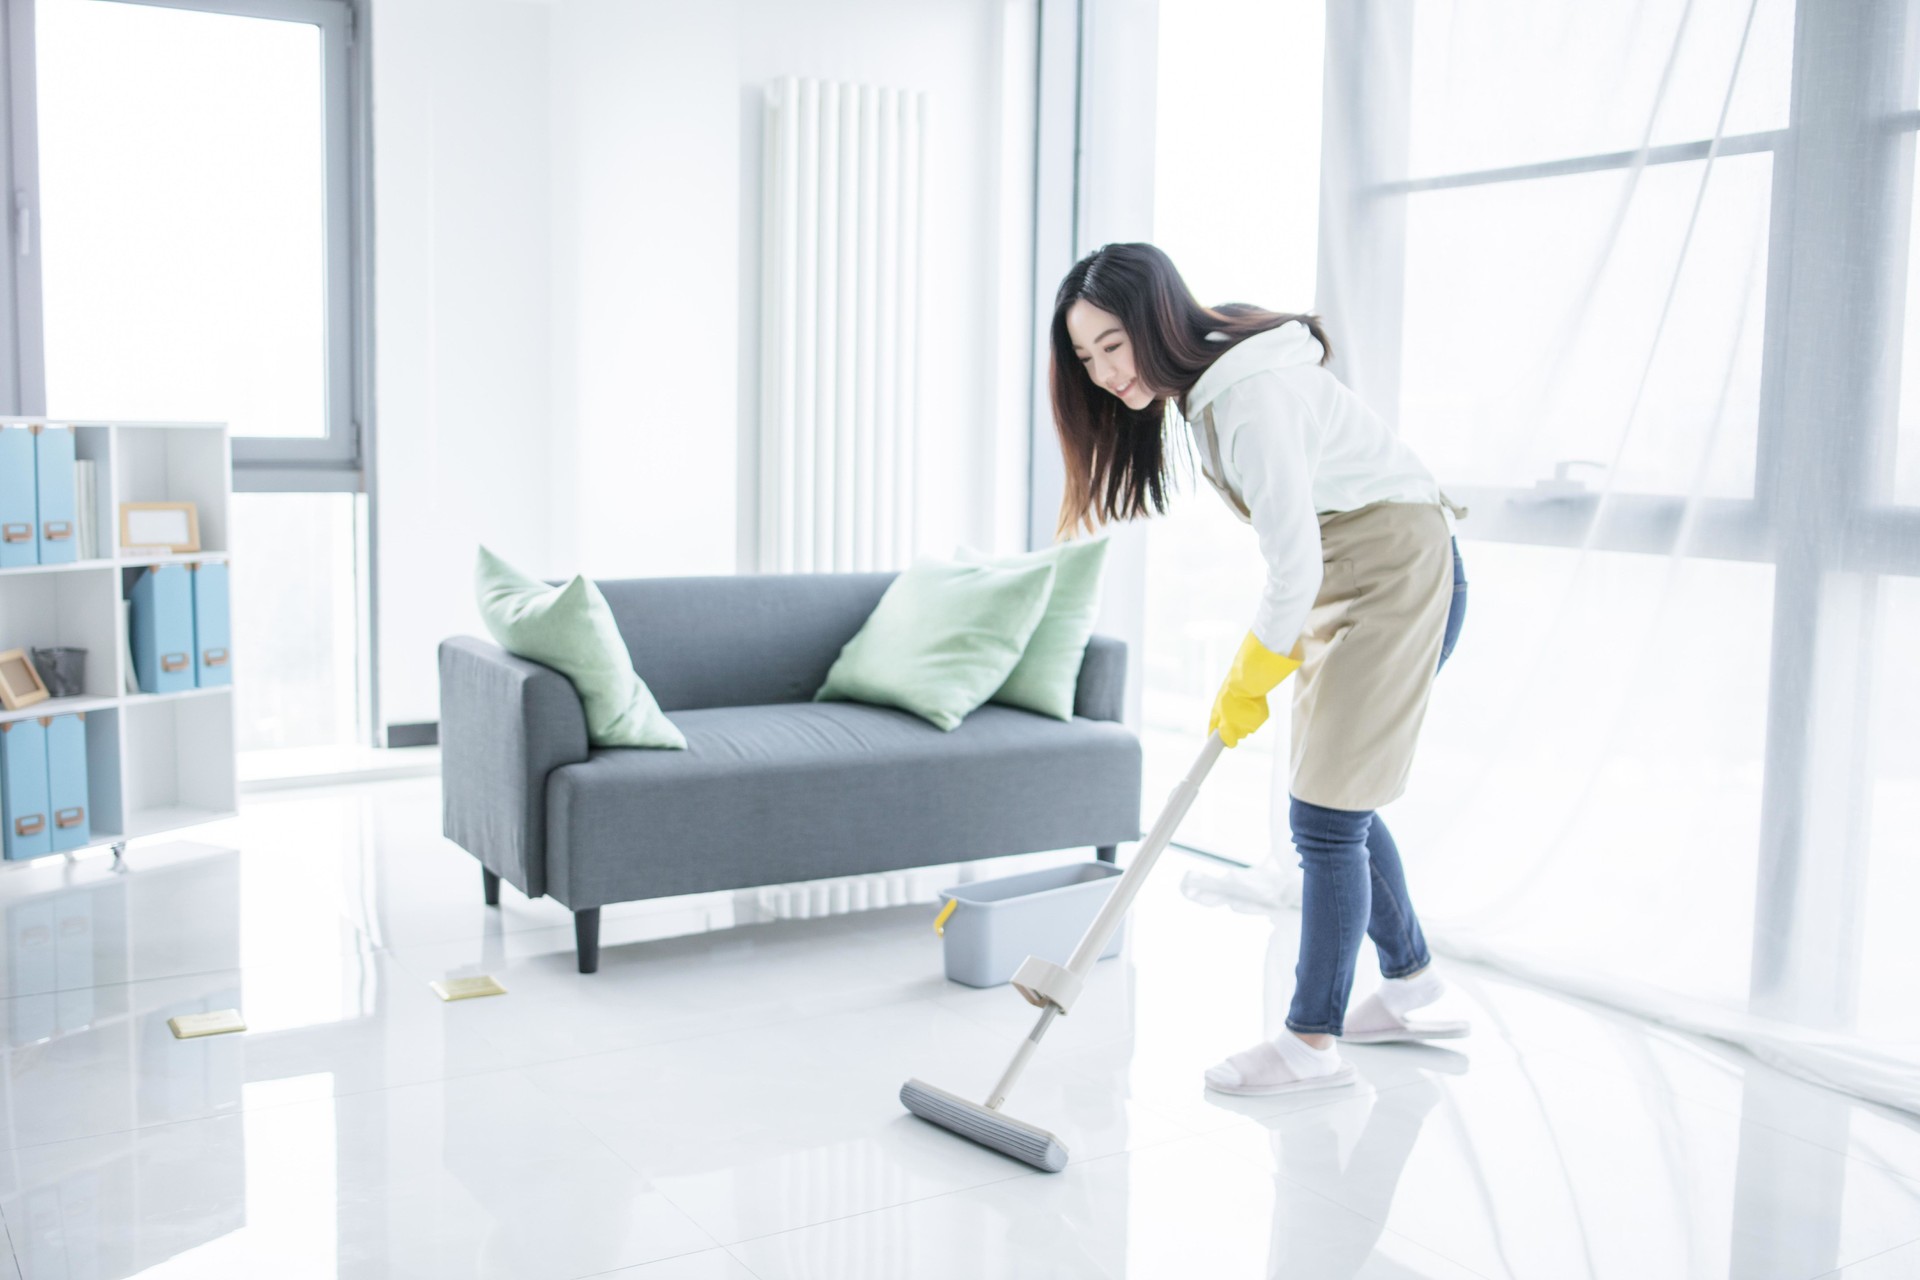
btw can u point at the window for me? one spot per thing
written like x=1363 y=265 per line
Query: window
x=301 y=632
x=185 y=248
x=193 y=237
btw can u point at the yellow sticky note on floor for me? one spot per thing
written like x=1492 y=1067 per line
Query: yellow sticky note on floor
x=218 y=1023
x=467 y=988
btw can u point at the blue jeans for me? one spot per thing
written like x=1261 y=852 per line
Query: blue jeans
x=1354 y=884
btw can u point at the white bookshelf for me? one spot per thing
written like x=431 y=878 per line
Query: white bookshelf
x=156 y=762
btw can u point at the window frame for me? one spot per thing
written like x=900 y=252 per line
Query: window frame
x=1875 y=537
x=334 y=462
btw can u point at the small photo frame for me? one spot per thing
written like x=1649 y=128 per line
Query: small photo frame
x=20 y=684
x=172 y=526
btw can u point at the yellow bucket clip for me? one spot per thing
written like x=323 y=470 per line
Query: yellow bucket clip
x=940 y=921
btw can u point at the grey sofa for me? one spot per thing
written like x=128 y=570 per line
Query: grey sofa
x=773 y=787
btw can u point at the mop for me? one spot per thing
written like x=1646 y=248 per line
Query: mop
x=1053 y=989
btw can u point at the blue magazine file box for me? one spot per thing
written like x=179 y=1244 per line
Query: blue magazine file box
x=23 y=788
x=19 y=503
x=67 y=806
x=53 y=458
x=212 y=632
x=162 y=629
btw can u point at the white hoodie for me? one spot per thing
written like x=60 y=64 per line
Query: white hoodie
x=1294 y=443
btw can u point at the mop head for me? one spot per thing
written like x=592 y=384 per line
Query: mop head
x=1023 y=1142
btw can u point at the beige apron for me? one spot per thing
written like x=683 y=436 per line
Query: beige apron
x=1371 y=646
x=1369 y=652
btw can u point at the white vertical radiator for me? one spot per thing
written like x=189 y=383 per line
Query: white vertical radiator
x=840 y=303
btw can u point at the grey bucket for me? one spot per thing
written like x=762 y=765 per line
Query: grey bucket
x=63 y=670
x=996 y=924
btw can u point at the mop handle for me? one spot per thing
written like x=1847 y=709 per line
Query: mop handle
x=1101 y=931
x=1011 y=1075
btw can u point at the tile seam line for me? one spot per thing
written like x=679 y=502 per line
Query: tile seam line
x=691 y=1253
x=240 y=970
x=742 y=1263
x=642 y=1175
x=502 y=1069
x=1019 y=1175
x=1014 y=1176
x=257 y=1109
x=1842 y=1269
x=241 y=1113
x=110 y=986
x=698 y=1035
x=1851 y=1100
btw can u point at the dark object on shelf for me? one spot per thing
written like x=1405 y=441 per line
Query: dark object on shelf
x=63 y=669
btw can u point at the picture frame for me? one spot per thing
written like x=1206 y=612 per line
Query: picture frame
x=20 y=683
x=174 y=526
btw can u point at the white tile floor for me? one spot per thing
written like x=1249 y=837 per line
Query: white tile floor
x=719 y=1101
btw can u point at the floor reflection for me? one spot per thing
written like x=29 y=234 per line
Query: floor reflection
x=1366 y=1166
x=728 y=1078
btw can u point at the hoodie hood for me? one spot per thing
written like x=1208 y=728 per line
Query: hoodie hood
x=1283 y=348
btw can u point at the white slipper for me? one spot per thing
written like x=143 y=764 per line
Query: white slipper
x=1374 y=1023
x=1263 y=1070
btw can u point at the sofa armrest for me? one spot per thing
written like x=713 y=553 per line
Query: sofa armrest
x=505 y=724
x=1102 y=692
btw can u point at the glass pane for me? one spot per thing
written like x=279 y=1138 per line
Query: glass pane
x=1906 y=462
x=1598 y=738
x=1532 y=312
x=1204 y=575
x=1246 y=61
x=296 y=619
x=1240 y=60
x=1889 y=1007
x=1500 y=85
x=182 y=174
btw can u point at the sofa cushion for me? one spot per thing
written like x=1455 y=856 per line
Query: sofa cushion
x=798 y=791
x=1046 y=677
x=942 y=639
x=571 y=629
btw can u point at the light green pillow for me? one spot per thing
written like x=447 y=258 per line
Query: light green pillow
x=942 y=639
x=1048 y=674
x=571 y=629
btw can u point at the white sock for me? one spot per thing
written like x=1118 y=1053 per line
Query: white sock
x=1402 y=996
x=1307 y=1061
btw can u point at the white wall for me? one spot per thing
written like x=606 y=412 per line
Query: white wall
x=567 y=222
x=463 y=380
x=657 y=121
x=645 y=271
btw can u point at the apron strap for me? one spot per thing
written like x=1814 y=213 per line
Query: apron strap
x=1210 y=462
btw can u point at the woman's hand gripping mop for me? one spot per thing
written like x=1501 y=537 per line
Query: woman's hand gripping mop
x=1053 y=990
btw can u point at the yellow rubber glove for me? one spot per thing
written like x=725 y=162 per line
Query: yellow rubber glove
x=1241 y=705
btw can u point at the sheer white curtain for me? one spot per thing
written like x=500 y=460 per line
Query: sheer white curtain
x=1639 y=283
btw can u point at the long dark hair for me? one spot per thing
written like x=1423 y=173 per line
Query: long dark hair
x=1116 y=457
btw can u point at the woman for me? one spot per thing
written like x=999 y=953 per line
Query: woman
x=1364 y=598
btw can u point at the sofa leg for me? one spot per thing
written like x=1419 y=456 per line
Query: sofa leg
x=1107 y=852
x=586 y=938
x=491 y=883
